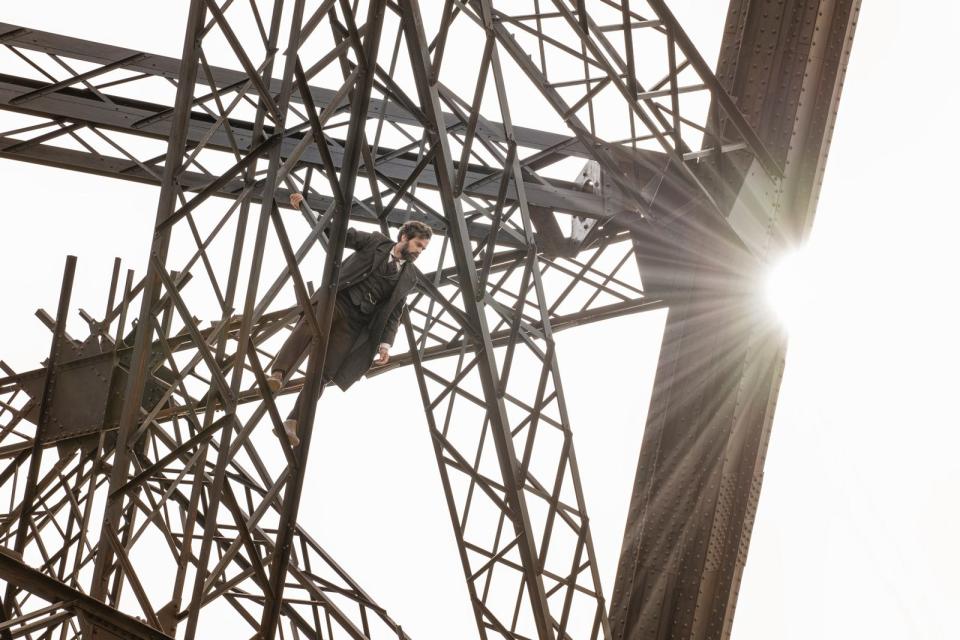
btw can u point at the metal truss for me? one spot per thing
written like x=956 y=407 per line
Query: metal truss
x=378 y=114
x=66 y=604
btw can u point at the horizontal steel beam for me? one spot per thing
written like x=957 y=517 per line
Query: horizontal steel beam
x=124 y=169
x=15 y=572
x=85 y=108
x=168 y=67
x=140 y=118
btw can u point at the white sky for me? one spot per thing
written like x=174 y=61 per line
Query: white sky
x=855 y=535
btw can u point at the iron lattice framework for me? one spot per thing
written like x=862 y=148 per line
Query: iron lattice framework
x=643 y=186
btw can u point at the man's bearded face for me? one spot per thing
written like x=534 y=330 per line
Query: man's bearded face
x=411 y=248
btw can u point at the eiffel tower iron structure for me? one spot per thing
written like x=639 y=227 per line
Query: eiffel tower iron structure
x=654 y=181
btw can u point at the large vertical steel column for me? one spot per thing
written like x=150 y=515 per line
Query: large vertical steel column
x=25 y=515
x=133 y=394
x=698 y=474
x=701 y=461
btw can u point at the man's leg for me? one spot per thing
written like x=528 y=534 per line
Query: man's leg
x=342 y=335
x=293 y=347
x=347 y=325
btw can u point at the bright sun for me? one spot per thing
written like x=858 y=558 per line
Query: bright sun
x=792 y=290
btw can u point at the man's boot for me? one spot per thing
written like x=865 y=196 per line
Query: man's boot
x=275 y=381
x=290 y=428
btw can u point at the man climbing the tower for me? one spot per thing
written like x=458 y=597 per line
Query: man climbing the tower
x=374 y=281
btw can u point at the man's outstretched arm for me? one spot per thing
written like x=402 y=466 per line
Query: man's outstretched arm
x=356 y=239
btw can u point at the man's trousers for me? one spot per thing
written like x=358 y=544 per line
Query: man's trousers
x=348 y=323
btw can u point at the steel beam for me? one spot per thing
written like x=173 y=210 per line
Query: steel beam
x=701 y=462
x=25 y=515
x=166 y=67
x=101 y=616
x=142 y=118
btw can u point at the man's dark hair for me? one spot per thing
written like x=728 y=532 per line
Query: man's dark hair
x=415 y=229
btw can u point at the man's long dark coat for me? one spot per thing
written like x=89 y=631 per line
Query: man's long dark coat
x=369 y=250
